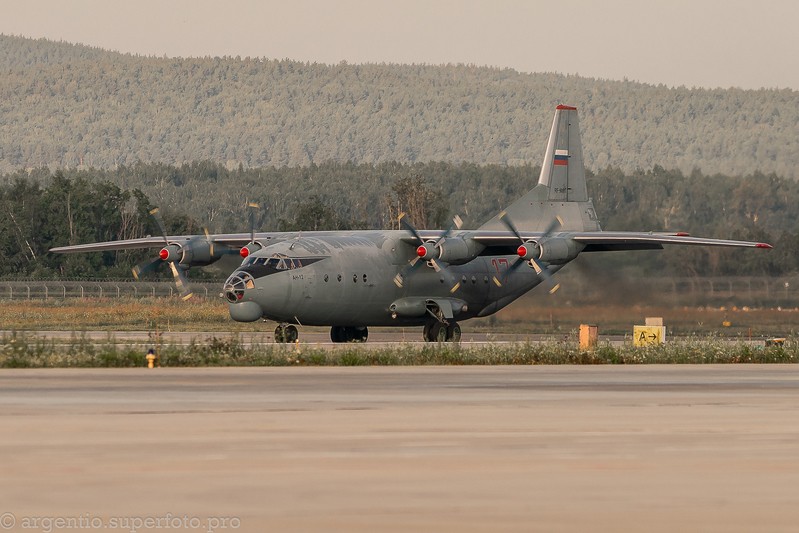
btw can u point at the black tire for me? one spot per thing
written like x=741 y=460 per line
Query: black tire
x=360 y=334
x=453 y=332
x=437 y=332
x=291 y=334
x=337 y=334
x=280 y=334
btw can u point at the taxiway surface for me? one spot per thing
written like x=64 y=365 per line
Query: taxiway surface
x=610 y=448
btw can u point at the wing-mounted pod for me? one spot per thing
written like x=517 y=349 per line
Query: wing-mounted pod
x=415 y=307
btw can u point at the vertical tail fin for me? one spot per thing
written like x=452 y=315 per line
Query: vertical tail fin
x=563 y=171
x=561 y=191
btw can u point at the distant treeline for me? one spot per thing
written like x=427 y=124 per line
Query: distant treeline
x=64 y=105
x=41 y=210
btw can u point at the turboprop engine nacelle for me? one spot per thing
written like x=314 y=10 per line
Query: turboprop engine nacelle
x=250 y=249
x=454 y=251
x=199 y=253
x=553 y=251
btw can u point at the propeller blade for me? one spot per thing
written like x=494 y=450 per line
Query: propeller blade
x=403 y=220
x=210 y=242
x=158 y=220
x=556 y=222
x=145 y=267
x=457 y=222
x=505 y=219
x=181 y=282
x=413 y=265
x=252 y=206
x=543 y=273
x=450 y=280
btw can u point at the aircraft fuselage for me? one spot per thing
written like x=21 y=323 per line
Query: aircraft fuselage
x=349 y=280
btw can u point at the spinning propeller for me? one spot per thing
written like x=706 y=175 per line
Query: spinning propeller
x=171 y=254
x=197 y=251
x=530 y=251
x=428 y=253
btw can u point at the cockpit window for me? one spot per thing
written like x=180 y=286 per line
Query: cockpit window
x=262 y=266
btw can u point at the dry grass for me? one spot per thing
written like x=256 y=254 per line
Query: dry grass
x=521 y=317
x=115 y=315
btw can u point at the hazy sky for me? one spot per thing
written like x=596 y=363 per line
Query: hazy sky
x=703 y=43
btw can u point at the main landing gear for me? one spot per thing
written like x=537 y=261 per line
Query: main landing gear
x=349 y=334
x=436 y=331
x=286 y=333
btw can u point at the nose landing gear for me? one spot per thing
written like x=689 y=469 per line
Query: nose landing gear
x=286 y=333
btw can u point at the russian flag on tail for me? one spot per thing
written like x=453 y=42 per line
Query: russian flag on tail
x=561 y=157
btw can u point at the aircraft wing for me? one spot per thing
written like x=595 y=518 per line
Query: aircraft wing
x=501 y=242
x=630 y=240
x=230 y=239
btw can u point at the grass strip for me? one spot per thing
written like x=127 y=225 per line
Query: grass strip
x=19 y=350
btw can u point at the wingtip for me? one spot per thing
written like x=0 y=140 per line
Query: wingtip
x=764 y=245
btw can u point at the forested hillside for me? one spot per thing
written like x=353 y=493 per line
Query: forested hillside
x=44 y=210
x=71 y=106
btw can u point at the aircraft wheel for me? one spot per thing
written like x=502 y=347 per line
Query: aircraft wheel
x=338 y=334
x=290 y=333
x=360 y=334
x=453 y=332
x=280 y=333
x=435 y=332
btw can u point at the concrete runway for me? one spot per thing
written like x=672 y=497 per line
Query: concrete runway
x=610 y=448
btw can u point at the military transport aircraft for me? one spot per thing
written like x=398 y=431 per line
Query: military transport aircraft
x=350 y=280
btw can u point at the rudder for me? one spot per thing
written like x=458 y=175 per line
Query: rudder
x=561 y=191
